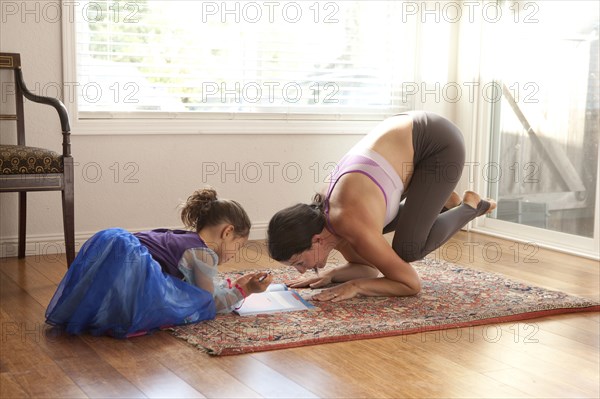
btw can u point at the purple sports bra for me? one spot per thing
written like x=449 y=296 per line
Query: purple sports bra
x=379 y=170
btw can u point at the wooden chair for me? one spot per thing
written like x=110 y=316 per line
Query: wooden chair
x=24 y=168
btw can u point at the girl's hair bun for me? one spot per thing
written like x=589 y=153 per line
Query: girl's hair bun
x=198 y=207
x=203 y=208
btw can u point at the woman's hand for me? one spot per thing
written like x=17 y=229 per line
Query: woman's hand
x=252 y=283
x=338 y=293
x=312 y=282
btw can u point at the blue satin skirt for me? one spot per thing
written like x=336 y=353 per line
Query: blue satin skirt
x=114 y=287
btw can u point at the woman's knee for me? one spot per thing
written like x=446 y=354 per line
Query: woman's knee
x=409 y=251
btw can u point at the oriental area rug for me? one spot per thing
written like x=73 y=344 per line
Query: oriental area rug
x=452 y=296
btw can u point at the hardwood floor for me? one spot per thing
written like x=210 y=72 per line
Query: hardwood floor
x=554 y=356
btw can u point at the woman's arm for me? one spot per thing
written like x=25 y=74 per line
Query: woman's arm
x=355 y=268
x=399 y=276
x=347 y=272
x=400 y=279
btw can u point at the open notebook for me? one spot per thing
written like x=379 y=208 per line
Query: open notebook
x=277 y=298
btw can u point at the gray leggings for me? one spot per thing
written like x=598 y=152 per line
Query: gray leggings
x=439 y=157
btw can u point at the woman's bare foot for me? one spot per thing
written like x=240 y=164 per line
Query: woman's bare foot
x=453 y=201
x=472 y=199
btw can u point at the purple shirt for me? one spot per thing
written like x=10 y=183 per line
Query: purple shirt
x=167 y=247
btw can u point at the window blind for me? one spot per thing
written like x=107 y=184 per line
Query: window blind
x=277 y=59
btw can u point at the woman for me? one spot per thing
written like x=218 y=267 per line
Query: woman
x=400 y=177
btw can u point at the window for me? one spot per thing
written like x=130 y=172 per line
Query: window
x=305 y=60
x=543 y=153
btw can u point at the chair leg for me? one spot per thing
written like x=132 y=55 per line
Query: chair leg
x=22 y=223
x=68 y=205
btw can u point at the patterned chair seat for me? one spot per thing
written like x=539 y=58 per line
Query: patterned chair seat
x=18 y=159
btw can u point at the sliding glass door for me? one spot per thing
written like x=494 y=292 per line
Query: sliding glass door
x=543 y=147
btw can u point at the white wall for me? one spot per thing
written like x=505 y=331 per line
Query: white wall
x=166 y=168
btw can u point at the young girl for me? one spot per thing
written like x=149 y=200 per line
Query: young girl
x=124 y=284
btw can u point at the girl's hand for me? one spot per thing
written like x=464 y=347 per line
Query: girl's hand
x=252 y=284
x=312 y=282
x=338 y=293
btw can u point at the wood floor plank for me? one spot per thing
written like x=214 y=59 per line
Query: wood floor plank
x=568 y=372
x=365 y=372
x=199 y=370
x=537 y=385
x=443 y=375
x=309 y=373
x=458 y=345
x=9 y=388
x=511 y=356
x=261 y=378
x=590 y=322
x=74 y=357
x=483 y=251
x=27 y=375
x=470 y=362
x=553 y=332
x=53 y=270
x=29 y=279
x=328 y=370
x=141 y=368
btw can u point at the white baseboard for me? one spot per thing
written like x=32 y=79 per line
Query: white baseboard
x=49 y=245
x=259 y=231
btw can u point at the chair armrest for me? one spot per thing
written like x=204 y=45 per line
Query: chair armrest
x=57 y=104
